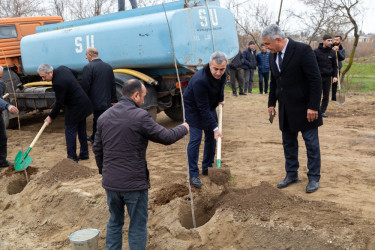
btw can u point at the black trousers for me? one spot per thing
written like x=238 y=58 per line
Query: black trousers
x=326 y=86
x=3 y=141
x=97 y=113
x=290 y=144
x=71 y=131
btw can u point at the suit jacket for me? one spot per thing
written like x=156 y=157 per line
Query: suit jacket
x=98 y=81
x=201 y=97
x=297 y=87
x=69 y=94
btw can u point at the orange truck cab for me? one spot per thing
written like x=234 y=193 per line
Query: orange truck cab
x=11 y=32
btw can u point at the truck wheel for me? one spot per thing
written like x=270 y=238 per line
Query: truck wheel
x=175 y=113
x=120 y=79
x=9 y=77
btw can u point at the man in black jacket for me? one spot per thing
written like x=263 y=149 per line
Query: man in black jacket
x=120 y=147
x=3 y=135
x=340 y=51
x=249 y=65
x=237 y=73
x=326 y=58
x=296 y=85
x=77 y=106
x=98 y=81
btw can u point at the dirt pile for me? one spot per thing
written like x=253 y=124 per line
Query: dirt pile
x=66 y=170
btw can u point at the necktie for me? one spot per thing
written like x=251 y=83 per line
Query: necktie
x=280 y=59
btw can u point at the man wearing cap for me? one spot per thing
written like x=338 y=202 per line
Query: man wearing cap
x=326 y=58
x=249 y=66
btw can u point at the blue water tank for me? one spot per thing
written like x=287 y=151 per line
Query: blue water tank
x=137 y=39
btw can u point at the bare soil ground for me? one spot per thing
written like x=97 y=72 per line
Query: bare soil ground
x=248 y=212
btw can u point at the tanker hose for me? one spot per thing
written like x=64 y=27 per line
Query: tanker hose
x=34 y=84
x=137 y=74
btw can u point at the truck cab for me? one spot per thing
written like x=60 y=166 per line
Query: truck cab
x=12 y=30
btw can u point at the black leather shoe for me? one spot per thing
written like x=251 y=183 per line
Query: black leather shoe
x=205 y=171
x=5 y=164
x=324 y=115
x=89 y=138
x=312 y=186
x=287 y=181
x=234 y=94
x=195 y=182
x=82 y=158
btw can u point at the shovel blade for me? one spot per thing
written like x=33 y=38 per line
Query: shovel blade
x=22 y=161
x=341 y=99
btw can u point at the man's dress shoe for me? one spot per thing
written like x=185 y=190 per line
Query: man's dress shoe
x=287 y=181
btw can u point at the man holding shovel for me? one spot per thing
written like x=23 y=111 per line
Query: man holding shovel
x=326 y=58
x=296 y=85
x=204 y=93
x=3 y=136
x=77 y=106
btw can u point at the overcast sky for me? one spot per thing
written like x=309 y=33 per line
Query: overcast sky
x=368 y=25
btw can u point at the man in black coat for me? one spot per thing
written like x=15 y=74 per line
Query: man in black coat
x=237 y=74
x=249 y=66
x=98 y=81
x=77 y=107
x=203 y=94
x=296 y=85
x=120 y=152
x=326 y=58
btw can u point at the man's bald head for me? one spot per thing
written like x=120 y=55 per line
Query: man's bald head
x=91 y=53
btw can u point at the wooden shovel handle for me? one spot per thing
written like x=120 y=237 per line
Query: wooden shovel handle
x=38 y=135
x=220 y=125
x=338 y=72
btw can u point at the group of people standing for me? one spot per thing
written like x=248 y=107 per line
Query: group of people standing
x=242 y=70
x=121 y=130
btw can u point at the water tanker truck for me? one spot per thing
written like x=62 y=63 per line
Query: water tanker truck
x=136 y=43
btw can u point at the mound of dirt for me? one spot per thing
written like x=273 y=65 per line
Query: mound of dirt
x=66 y=170
x=166 y=194
x=219 y=176
x=11 y=171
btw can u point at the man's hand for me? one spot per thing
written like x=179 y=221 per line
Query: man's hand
x=48 y=120
x=217 y=134
x=271 y=110
x=13 y=109
x=336 y=48
x=312 y=115
x=186 y=126
x=222 y=103
x=334 y=79
x=113 y=103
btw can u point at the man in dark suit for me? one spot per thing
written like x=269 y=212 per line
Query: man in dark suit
x=98 y=81
x=203 y=94
x=77 y=106
x=296 y=85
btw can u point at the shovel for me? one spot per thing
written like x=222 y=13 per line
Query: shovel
x=220 y=125
x=23 y=160
x=341 y=98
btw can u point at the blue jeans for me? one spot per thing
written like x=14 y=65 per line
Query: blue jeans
x=265 y=76
x=193 y=150
x=71 y=131
x=290 y=144
x=137 y=205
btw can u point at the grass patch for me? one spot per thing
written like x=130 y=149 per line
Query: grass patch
x=360 y=69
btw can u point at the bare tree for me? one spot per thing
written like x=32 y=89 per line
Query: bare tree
x=350 y=9
x=20 y=8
